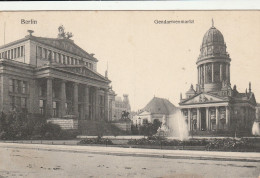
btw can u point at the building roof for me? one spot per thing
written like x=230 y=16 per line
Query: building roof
x=65 y=45
x=213 y=35
x=213 y=45
x=160 y=106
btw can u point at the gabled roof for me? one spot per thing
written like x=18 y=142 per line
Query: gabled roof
x=160 y=106
x=87 y=71
x=245 y=97
x=203 y=98
x=65 y=45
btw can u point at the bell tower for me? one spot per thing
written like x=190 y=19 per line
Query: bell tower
x=213 y=64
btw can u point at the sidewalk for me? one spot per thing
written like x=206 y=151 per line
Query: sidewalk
x=173 y=154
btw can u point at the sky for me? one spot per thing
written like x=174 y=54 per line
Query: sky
x=146 y=59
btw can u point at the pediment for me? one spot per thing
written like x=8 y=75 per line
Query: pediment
x=65 y=45
x=82 y=70
x=203 y=98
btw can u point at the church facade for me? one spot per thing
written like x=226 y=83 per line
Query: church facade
x=213 y=105
x=53 y=77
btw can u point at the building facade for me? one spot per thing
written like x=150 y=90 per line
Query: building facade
x=53 y=77
x=157 y=109
x=120 y=106
x=213 y=104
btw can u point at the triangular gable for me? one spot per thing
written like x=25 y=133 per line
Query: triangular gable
x=83 y=70
x=203 y=98
x=144 y=113
x=65 y=45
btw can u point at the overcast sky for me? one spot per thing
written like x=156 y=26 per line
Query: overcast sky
x=147 y=59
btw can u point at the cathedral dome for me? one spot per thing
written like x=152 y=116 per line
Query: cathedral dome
x=213 y=36
x=213 y=45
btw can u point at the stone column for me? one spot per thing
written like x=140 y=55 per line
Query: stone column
x=86 y=101
x=93 y=108
x=189 y=119
x=63 y=98
x=227 y=117
x=49 y=103
x=75 y=99
x=106 y=105
x=220 y=73
x=212 y=72
x=204 y=71
x=207 y=118
x=217 y=118
x=198 y=119
x=97 y=104
x=227 y=77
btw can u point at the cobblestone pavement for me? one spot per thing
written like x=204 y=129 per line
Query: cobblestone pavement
x=19 y=162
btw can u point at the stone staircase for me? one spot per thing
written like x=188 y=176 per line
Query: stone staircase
x=95 y=128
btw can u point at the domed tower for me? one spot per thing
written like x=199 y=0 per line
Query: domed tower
x=213 y=63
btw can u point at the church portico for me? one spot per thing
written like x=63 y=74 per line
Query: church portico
x=213 y=105
x=206 y=118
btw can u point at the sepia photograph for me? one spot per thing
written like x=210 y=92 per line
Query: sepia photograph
x=97 y=93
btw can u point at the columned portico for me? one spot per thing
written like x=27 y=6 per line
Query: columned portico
x=75 y=99
x=86 y=103
x=217 y=118
x=49 y=97
x=106 y=104
x=63 y=98
x=227 y=116
x=198 y=119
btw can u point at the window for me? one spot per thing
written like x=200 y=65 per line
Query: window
x=59 y=57
x=12 y=103
x=0 y=55
x=55 y=56
x=23 y=103
x=12 y=53
x=45 y=54
x=49 y=55
x=24 y=86
x=11 y=85
x=22 y=50
x=145 y=121
x=18 y=101
x=18 y=51
x=8 y=54
x=72 y=61
x=68 y=60
x=41 y=106
x=64 y=59
x=5 y=54
x=40 y=52
x=19 y=83
x=54 y=107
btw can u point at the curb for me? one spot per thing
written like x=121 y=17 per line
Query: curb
x=153 y=155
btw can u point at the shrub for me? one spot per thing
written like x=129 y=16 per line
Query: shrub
x=20 y=125
x=97 y=140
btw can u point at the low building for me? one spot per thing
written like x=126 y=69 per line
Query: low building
x=156 y=109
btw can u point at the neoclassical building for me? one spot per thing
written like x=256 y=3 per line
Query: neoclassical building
x=213 y=105
x=53 y=77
